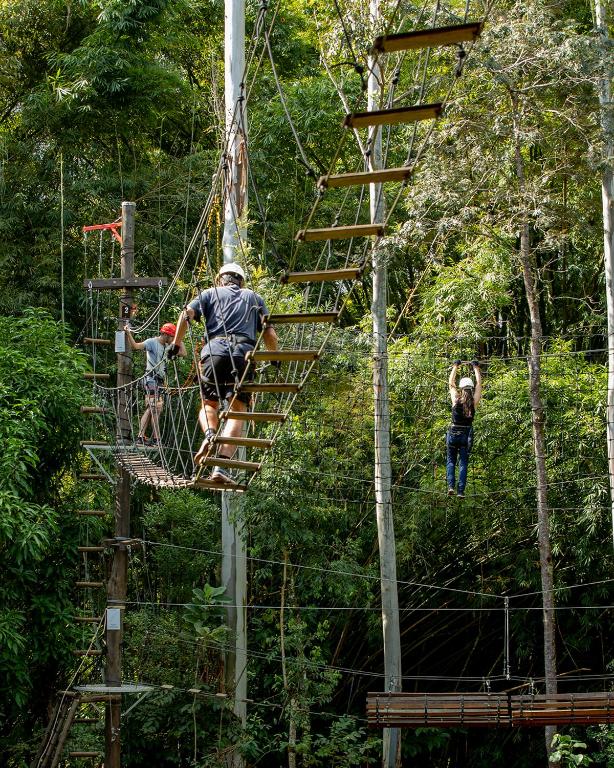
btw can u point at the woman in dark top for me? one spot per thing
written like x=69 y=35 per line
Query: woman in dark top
x=459 y=437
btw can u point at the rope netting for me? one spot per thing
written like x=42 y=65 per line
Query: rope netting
x=304 y=306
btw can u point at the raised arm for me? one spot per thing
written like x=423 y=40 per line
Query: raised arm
x=477 y=394
x=452 y=381
x=133 y=344
x=182 y=326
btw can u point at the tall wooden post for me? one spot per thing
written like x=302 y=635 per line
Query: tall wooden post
x=234 y=563
x=117 y=586
x=607 y=196
x=383 y=472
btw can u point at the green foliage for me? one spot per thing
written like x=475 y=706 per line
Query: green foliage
x=39 y=428
x=564 y=751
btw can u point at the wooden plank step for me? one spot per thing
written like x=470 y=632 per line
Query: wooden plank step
x=92 y=476
x=427 y=38
x=302 y=317
x=101 y=342
x=84 y=443
x=282 y=388
x=364 y=177
x=245 y=442
x=92 y=513
x=90 y=549
x=93 y=409
x=218 y=461
x=322 y=275
x=211 y=485
x=253 y=416
x=393 y=116
x=89 y=584
x=284 y=355
x=96 y=375
x=88 y=619
x=87 y=652
x=94 y=698
x=340 y=233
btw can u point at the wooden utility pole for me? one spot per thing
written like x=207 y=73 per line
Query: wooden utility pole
x=234 y=563
x=607 y=196
x=117 y=586
x=383 y=472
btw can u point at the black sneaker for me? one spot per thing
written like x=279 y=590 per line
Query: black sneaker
x=460 y=495
x=140 y=440
x=221 y=475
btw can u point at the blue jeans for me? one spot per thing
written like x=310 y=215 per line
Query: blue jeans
x=458 y=447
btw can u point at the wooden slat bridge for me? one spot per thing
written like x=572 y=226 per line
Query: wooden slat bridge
x=488 y=710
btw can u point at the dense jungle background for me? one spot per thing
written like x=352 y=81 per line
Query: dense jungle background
x=110 y=100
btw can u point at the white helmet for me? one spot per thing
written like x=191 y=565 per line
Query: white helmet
x=466 y=383
x=233 y=268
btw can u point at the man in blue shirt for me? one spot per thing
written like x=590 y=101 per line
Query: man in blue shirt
x=233 y=317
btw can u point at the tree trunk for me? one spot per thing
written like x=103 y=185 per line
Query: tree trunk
x=539 y=442
x=607 y=196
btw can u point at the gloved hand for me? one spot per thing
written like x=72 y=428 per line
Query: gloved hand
x=457 y=362
x=475 y=363
x=172 y=351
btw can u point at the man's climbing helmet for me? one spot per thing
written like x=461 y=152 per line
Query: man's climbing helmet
x=169 y=329
x=232 y=268
x=466 y=383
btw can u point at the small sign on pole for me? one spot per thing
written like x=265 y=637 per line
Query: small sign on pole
x=120 y=341
x=114 y=618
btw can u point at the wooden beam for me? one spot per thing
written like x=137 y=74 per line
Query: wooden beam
x=322 y=275
x=393 y=116
x=284 y=355
x=117 y=283
x=218 y=461
x=364 y=177
x=101 y=342
x=339 y=233
x=245 y=442
x=252 y=416
x=276 y=387
x=427 y=38
x=302 y=317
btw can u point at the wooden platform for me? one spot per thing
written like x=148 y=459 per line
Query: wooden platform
x=488 y=710
x=444 y=710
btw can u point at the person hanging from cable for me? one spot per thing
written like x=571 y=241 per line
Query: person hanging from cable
x=233 y=316
x=154 y=379
x=459 y=437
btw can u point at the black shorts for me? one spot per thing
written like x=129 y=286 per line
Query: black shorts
x=218 y=379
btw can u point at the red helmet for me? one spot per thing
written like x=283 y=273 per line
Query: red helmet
x=169 y=329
